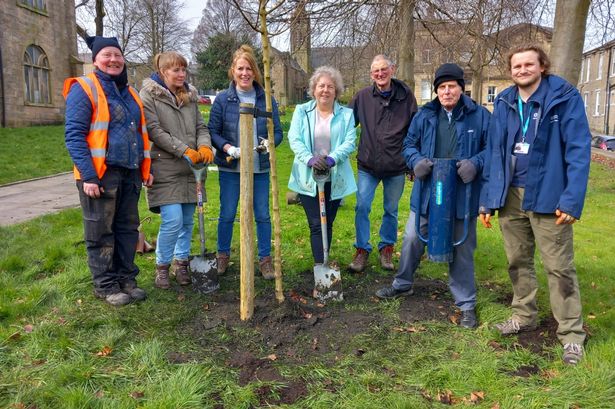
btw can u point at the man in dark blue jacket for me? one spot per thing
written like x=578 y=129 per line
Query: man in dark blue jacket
x=452 y=126
x=536 y=176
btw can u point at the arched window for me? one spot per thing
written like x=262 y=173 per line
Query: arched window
x=36 y=75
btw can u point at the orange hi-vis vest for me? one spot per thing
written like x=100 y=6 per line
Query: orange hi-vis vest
x=99 y=127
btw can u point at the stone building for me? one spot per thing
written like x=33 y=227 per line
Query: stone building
x=597 y=87
x=38 y=50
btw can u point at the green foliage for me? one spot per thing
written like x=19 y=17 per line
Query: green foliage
x=215 y=60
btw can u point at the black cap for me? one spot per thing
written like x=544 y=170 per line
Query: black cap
x=97 y=43
x=449 y=72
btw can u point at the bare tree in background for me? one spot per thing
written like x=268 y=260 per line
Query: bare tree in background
x=144 y=27
x=219 y=17
x=568 y=38
x=95 y=9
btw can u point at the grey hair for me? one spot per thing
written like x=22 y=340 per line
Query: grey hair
x=332 y=73
x=384 y=58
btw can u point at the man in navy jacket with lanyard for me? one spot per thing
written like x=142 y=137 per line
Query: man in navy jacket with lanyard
x=536 y=175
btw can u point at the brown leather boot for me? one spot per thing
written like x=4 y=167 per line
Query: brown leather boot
x=386 y=258
x=265 y=265
x=222 y=261
x=359 y=262
x=182 y=275
x=162 y=276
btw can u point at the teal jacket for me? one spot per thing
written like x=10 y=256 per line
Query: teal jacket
x=301 y=139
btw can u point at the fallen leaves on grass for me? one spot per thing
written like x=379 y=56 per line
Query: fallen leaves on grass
x=411 y=329
x=137 y=394
x=106 y=351
x=272 y=357
x=315 y=344
x=495 y=345
x=446 y=397
x=454 y=319
x=591 y=316
x=28 y=328
x=496 y=405
x=296 y=297
x=476 y=397
x=181 y=297
x=550 y=373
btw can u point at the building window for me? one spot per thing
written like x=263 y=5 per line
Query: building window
x=35 y=4
x=425 y=89
x=600 y=65
x=36 y=76
x=585 y=95
x=588 y=68
x=426 y=56
x=597 y=110
x=582 y=70
x=491 y=91
x=612 y=103
x=612 y=62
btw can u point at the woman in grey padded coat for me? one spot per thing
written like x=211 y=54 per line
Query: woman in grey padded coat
x=180 y=138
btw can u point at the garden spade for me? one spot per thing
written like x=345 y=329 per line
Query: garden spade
x=327 y=280
x=203 y=266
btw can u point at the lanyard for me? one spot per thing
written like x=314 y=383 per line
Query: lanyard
x=526 y=124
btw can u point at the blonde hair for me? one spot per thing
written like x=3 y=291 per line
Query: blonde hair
x=246 y=52
x=167 y=60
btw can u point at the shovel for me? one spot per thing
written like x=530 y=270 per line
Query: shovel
x=327 y=280
x=203 y=266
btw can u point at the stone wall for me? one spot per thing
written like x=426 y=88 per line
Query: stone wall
x=53 y=30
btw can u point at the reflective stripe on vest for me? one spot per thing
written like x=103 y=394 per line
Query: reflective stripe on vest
x=98 y=135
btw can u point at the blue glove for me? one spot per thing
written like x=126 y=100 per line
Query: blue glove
x=330 y=161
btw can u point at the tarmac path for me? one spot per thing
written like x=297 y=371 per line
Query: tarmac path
x=23 y=201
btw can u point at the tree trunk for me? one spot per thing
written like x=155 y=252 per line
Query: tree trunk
x=405 y=69
x=567 y=46
x=100 y=15
x=246 y=219
x=279 y=293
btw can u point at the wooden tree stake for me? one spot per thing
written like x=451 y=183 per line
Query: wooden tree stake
x=246 y=224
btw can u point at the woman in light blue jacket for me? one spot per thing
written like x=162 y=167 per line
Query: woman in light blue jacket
x=322 y=136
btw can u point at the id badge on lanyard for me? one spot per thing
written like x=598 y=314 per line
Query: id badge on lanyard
x=522 y=148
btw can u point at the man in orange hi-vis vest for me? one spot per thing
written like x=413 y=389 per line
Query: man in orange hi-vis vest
x=107 y=140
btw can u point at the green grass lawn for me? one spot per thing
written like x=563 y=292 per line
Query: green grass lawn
x=61 y=348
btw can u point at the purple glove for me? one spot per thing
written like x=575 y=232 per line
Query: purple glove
x=330 y=161
x=318 y=162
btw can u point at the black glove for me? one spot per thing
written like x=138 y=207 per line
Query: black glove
x=466 y=170
x=422 y=169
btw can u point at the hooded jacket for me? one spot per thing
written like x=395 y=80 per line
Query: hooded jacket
x=471 y=126
x=384 y=124
x=224 y=124
x=301 y=139
x=172 y=129
x=559 y=158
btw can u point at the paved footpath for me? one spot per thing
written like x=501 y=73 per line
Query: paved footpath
x=22 y=201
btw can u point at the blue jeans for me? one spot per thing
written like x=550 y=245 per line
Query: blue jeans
x=175 y=232
x=229 y=199
x=460 y=270
x=393 y=188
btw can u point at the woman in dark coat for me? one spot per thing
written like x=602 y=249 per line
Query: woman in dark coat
x=223 y=125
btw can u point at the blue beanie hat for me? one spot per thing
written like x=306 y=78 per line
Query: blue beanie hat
x=97 y=43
